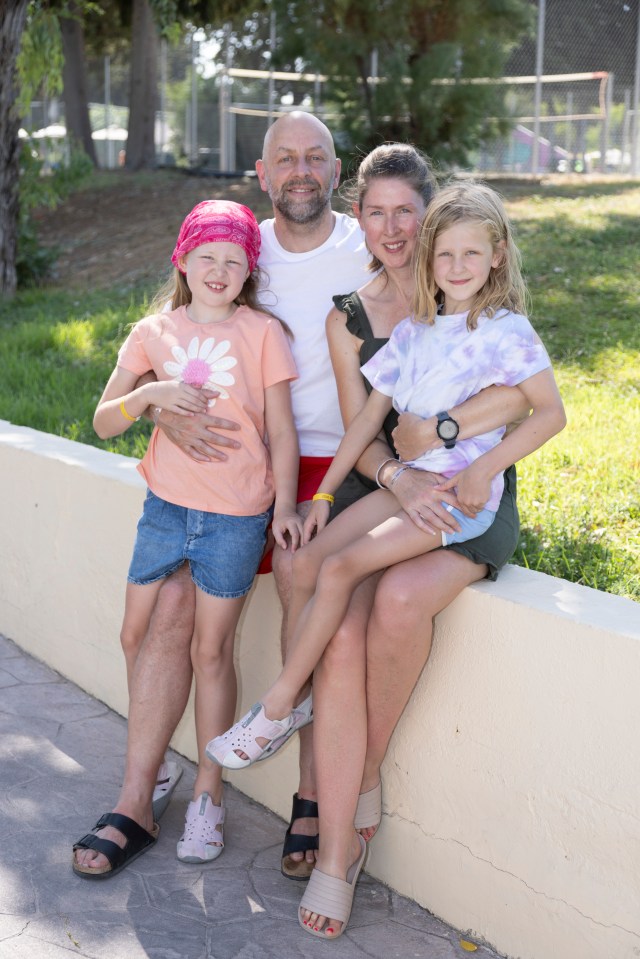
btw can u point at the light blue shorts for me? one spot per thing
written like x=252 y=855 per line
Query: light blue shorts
x=223 y=551
x=469 y=528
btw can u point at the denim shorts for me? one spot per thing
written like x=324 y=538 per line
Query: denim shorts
x=469 y=528
x=494 y=547
x=223 y=551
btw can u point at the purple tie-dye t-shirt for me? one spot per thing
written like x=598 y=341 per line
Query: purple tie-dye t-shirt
x=426 y=369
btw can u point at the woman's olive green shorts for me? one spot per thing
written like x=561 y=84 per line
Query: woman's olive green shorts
x=495 y=547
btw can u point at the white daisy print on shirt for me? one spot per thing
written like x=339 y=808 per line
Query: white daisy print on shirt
x=203 y=366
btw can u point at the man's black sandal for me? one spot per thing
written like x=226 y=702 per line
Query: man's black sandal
x=295 y=842
x=138 y=841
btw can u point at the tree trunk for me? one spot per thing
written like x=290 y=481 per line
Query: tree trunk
x=141 y=151
x=74 y=78
x=13 y=14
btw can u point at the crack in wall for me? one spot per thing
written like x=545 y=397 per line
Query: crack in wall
x=519 y=879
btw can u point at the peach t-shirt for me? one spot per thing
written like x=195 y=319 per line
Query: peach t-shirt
x=240 y=357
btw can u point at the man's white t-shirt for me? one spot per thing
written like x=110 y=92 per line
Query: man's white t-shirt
x=299 y=288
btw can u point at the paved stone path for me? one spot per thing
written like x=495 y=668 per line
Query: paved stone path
x=61 y=756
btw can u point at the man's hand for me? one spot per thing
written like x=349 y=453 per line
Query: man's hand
x=287 y=529
x=421 y=498
x=198 y=435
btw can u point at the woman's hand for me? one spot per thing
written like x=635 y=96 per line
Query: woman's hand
x=317 y=519
x=287 y=528
x=420 y=496
x=197 y=435
x=413 y=436
x=473 y=488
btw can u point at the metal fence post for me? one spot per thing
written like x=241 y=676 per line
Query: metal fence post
x=624 y=146
x=224 y=103
x=272 y=47
x=163 y=101
x=636 y=99
x=538 y=93
x=604 y=133
x=107 y=111
x=193 y=125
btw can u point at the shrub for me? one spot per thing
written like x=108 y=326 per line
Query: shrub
x=41 y=188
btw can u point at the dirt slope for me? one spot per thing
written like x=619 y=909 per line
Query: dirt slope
x=122 y=227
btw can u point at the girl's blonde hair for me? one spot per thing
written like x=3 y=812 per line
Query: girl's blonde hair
x=176 y=292
x=470 y=202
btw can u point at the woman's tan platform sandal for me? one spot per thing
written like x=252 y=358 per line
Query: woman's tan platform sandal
x=369 y=809
x=331 y=897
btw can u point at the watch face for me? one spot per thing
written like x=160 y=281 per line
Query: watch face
x=448 y=429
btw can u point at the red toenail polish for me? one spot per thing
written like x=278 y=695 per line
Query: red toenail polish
x=330 y=929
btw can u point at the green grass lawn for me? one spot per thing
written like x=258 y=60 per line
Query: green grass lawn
x=578 y=495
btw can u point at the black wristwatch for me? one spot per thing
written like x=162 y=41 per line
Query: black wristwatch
x=447 y=429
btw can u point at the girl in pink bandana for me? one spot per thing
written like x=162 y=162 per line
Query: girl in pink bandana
x=214 y=515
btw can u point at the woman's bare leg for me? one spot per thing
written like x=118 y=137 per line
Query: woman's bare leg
x=339 y=740
x=398 y=643
x=399 y=638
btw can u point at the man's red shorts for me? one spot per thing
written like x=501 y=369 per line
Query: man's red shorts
x=310 y=476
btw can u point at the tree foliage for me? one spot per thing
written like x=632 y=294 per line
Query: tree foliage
x=426 y=51
x=40 y=59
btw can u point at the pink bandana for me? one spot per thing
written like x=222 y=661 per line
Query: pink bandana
x=219 y=221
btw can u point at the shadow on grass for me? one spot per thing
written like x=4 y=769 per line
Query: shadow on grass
x=584 y=285
x=578 y=559
x=578 y=189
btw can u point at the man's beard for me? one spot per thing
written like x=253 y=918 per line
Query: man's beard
x=296 y=211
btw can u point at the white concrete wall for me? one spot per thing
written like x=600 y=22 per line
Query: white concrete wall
x=511 y=789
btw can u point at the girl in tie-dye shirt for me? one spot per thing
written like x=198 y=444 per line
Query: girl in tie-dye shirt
x=467 y=332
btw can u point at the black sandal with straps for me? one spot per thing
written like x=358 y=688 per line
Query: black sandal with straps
x=138 y=841
x=296 y=842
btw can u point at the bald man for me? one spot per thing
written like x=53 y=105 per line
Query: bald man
x=309 y=253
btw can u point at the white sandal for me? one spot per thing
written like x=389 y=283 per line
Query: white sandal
x=301 y=715
x=243 y=738
x=202 y=829
x=169 y=775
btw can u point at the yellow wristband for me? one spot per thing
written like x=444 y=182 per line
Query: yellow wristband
x=325 y=496
x=127 y=416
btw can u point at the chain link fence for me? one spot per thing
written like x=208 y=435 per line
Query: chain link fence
x=571 y=95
